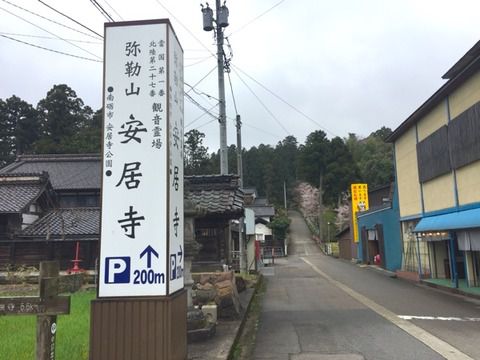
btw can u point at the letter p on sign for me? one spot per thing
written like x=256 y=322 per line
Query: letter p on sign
x=117 y=270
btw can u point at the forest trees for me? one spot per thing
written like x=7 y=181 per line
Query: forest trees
x=335 y=162
x=373 y=157
x=195 y=154
x=19 y=128
x=60 y=123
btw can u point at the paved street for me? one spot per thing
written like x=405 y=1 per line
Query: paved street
x=318 y=307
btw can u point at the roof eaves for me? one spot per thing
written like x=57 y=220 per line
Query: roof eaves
x=466 y=59
x=435 y=99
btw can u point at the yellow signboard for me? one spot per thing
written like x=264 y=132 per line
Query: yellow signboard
x=359 y=203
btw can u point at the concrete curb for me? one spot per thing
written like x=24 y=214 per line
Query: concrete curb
x=450 y=290
x=245 y=314
x=422 y=282
x=380 y=270
x=220 y=346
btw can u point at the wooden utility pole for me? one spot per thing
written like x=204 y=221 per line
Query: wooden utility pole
x=241 y=241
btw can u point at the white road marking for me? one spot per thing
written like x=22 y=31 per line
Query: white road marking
x=441 y=318
x=443 y=348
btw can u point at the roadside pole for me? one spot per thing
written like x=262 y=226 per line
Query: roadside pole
x=141 y=305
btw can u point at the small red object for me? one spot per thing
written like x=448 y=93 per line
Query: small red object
x=76 y=261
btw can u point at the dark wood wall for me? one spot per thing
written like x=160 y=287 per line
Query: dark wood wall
x=450 y=147
x=31 y=253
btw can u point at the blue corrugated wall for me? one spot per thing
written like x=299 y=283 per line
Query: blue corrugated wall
x=390 y=219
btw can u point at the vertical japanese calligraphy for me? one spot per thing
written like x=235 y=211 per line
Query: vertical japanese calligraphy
x=141 y=248
x=175 y=140
x=359 y=203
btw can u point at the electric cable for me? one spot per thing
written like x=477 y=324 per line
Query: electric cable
x=51 y=38
x=110 y=6
x=199 y=117
x=198 y=127
x=262 y=130
x=199 y=92
x=256 y=18
x=102 y=11
x=262 y=103
x=198 y=62
x=18 y=16
x=285 y=102
x=233 y=96
x=196 y=103
x=45 y=18
x=69 y=18
x=55 y=51
x=203 y=78
x=186 y=28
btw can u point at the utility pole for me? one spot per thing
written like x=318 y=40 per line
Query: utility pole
x=239 y=151
x=221 y=22
x=241 y=242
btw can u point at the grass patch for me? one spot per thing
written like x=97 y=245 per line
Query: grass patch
x=19 y=332
x=245 y=344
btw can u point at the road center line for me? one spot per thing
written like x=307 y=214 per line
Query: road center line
x=436 y=344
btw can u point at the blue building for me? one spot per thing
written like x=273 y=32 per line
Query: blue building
x=379 y=229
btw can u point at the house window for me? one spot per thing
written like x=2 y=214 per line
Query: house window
x=260 y=237
x=78 y=200
x=3 y=225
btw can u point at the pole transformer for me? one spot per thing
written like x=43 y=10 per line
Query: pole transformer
x=221 y=22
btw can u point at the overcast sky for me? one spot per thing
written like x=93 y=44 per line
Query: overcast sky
x=346 y=66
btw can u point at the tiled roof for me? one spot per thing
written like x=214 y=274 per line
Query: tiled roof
x=67 y=172
x=217 y=194
x=19 y=191
x=261 y=202
x=66 y=222
x=263 y=211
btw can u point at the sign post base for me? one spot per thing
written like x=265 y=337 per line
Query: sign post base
x=139 y=328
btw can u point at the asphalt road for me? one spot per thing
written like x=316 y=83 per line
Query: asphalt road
x=318 y=307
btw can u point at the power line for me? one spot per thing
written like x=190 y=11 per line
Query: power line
x=256 y=18
x=196 y=103
x=203 y=114
x=102 y=11
x=186 y=28
x=52 y=38
x=233 y=96
x=203 y=78
x=55 y=51
x=198 y=127
x=69 y=42
x=261 y=103
x=262 y=130
x=284 y=101
x=45 y=18
x=199 y=61
x=69 y=18
x=198 y=92
x=110 y=6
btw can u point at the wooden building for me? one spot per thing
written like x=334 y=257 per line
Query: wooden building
x=49 y=203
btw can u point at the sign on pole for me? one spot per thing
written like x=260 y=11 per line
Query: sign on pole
x=141 y=247
x=359 y=203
